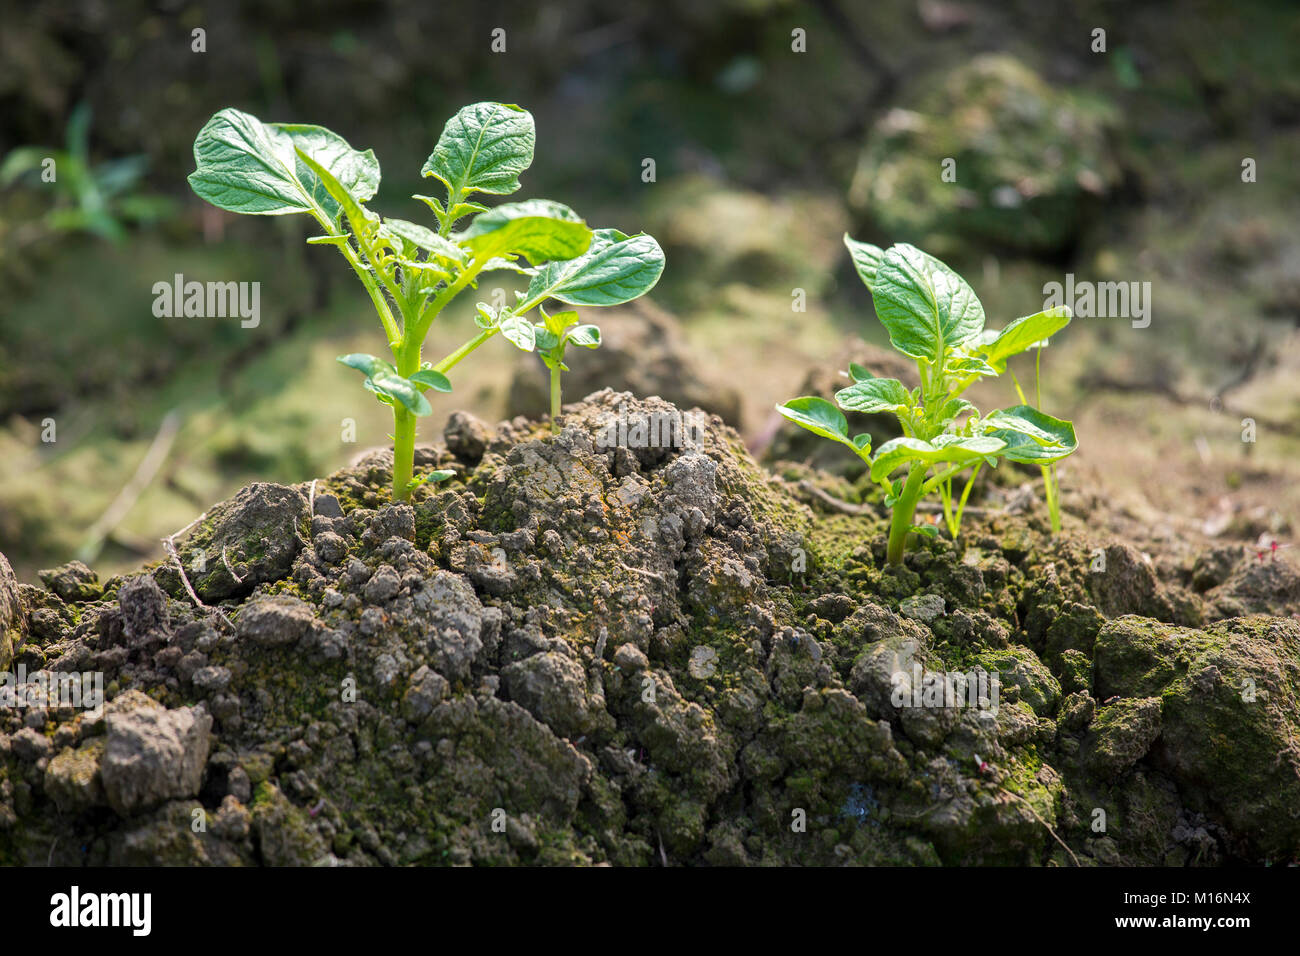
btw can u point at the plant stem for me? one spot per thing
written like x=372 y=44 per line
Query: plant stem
x=555 y=401
x=904 y=510
x=404 y=423
x=945 y=492
x=1053 y=501
x=403 y=451
x=455 y=357
x=965 y=494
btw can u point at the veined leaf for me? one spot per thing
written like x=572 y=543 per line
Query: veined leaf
x=424 y=238
x=1032 y=437
x=519 y=331
x=483 y=148
x=873 y=395
x=952 y=408
x=560 y=321
x=866 y=259
x=546 y=339
x=1024 y=333
x=970 y=365
x=247 y=166
x=587 y=336
x=953 y=449
x=858 y=373
x=539 y=229
x=361 y=219
x=616 y=268
x=926 y=307
x=818 y=416
x=357 y=172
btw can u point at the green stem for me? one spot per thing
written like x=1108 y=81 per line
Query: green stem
x=945 y=492
x=1053 y=501
x=904 y=510
x=555 y=400
x=452 y=360
x=403 y=451
x=368 y=280
x=965 y=494
x=446 y=295
x=404 y=425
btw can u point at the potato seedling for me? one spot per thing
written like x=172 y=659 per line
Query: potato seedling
x=934 y=317
x=555 y=333
x=412 y=272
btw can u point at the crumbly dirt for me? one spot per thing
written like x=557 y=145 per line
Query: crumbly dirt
x=578 y=652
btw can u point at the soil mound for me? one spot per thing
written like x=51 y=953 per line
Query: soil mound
x=629 y=644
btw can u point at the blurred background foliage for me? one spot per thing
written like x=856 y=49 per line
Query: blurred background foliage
x=1123 y=166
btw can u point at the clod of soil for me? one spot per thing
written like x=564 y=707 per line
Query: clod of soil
x=581 y=652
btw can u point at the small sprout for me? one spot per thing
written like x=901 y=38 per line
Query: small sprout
x=553 y=335
x=432 y=478
x=412 y=272
x=933 y=316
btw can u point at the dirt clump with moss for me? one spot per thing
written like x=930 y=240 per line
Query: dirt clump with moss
x=593 y=647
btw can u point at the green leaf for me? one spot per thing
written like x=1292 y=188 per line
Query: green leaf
x=587 y=336
x=616 y=268
x=483 y=148
x=519 y=331
x=866 y=259
x=355 y=171
x=873 y=395
x=537 y=228
x=1032 y=437
x=432 y=379
x=1024 y=333
x=24 y=160
x=359 y=217
x=952 y=408
x=547 y=340
x=928 y=530
x=944 y=448
x=560 y=321
x=403 y=390
x=431 y=478
x=424 y=238
x=818 y=416
x=247 y=166
x=340 y=240
x=383 y=380
x=925 y=306
x=971 y=366
x=858 y=373
x=368 y=364
x=505 y=262
x=862 y=443
x=485 y=317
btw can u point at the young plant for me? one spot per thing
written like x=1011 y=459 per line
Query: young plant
x=1051 y=485
x=101 y=199
x=934 y=317
x=554 y=334
x=413 y=272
